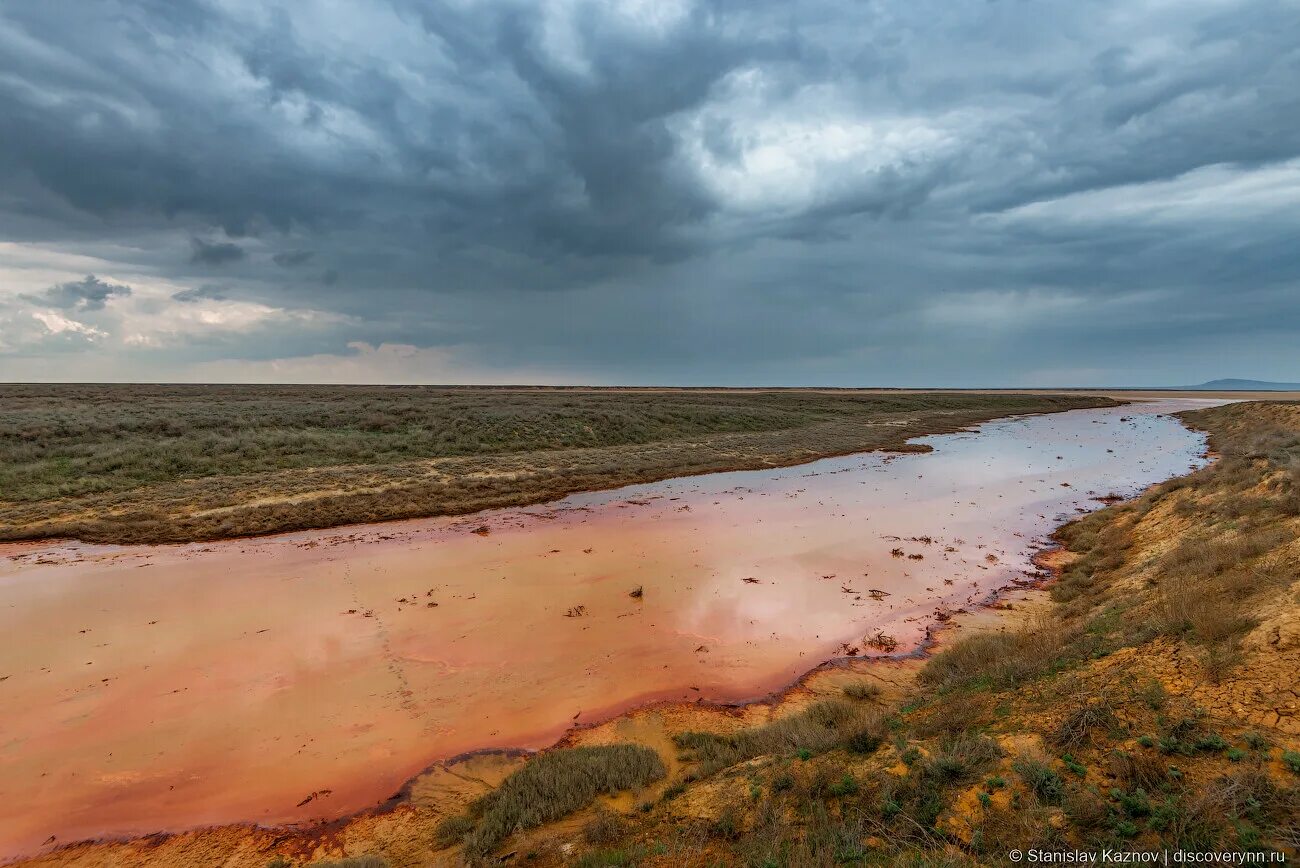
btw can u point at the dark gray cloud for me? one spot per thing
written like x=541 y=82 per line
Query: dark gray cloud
x=689 y=190
x=206 y=292
x=293 y=258
x=214 y=252
x=88 y=294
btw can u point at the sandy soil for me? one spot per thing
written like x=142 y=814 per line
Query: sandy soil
x=309 y=676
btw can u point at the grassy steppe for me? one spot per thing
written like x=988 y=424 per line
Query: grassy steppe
x=176 y=463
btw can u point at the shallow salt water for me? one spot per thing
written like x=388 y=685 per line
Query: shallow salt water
x=308 y=675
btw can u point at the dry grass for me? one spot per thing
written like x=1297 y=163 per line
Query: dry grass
x=1088 y=719
x=997 y=660
x=549 y=787
x=863 y=691
x=962 y=757
x=176 y=463
x=1138 y=770
x=605 y=828
x=1205 y=584
x=823 y=726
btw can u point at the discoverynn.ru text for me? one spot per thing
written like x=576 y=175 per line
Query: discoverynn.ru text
x=1143 y=857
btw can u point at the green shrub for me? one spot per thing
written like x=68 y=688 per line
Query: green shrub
x=673 y=790
x=962 y=756
x=818 y=728
x=1135 y=803
x=1073 y=765
x=1042 y=780
x=1254 y=740
x=728 y=825
x=845 y=786
x=864 y=741
x=555 y=784
x=1211 y=742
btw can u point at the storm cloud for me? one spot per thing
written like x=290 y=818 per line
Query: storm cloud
x=214 y=252
x=292 y=258
x=681 y=191
x=88 y=294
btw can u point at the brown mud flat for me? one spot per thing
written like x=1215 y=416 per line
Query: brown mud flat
x=246 y=658
x=169 y=464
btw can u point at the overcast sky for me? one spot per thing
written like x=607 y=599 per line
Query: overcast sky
x=896 y=192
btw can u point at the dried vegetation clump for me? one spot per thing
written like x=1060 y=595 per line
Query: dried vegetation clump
x=552 y=785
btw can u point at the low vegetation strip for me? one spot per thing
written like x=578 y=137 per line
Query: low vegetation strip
x=179 y=463
x=549 y=787
x=822 y=726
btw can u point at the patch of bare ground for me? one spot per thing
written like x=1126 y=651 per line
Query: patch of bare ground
x=153 y=464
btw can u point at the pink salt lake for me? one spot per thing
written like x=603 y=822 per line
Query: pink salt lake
x=168 y=687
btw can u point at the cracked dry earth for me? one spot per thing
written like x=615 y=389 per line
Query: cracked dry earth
x=1259 y=688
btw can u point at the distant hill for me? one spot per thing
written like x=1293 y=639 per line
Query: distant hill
x=1244 y=386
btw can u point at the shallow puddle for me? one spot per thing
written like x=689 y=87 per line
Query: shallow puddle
x=309 y=675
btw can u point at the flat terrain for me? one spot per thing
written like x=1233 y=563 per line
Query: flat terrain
x=137 y=463
x=151 y=687
x=1145 y=701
